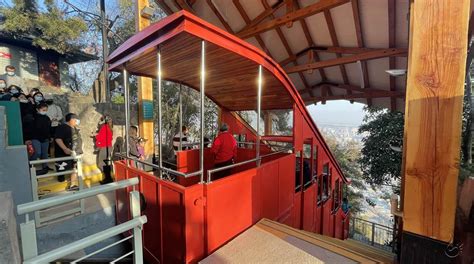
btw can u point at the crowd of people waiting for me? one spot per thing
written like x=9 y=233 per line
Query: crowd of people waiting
x=47 y=134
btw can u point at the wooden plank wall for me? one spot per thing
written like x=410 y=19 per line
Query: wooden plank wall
x=435 y=84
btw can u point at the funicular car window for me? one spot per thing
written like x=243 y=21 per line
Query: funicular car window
x=307 y=179
x=298 y=171
x=326 y=180
x=337 y=196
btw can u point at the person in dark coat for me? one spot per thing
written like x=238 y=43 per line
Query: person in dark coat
x=27 y=112
x=41 y=135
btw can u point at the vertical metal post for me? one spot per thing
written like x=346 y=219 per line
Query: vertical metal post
x=127 y=111
x=80 y=178
x=259 y=109
x=180 y=113
x=373 y=234
x=160 y=149
x=34 y=189
x=202 y=90
x=105 y=50
x=28 y=240
x=135 y=210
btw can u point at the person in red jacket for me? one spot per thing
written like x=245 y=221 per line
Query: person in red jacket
x=103 y=142
x=224 y=150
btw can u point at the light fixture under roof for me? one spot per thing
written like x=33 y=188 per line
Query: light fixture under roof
x=397 y=72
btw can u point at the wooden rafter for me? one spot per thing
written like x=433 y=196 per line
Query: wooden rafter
x=359 y=96
x=293 y=16
x=184 y=5
x=391 y=43
x=268 y=11
x=246 y=18
x=289 y=51
x=341 y=50
x=335 y=42
x=370 y=55
x=219 y=16
x=360 y=43
x=310 y=41
x=164 y=6
x=347 y=87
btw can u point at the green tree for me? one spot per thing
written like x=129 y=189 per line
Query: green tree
x=51 y=29
x=347 y=155
x=383 y=133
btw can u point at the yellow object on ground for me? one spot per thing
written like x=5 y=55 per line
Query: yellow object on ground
x=91 y=173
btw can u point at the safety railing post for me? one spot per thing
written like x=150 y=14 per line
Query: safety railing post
x=373 y=234
x=202 y=108
x=80 y=177
x=34 y=189
x=259 y=109
x=28 y=238
x=135 y=210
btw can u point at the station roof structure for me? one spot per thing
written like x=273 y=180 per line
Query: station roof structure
x=331 y=49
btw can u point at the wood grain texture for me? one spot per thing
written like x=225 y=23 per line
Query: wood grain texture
x=145 y=87
x=435 y=85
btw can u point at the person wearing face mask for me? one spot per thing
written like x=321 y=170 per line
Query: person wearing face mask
x=41 y=135
x=3 y=87
x=27 y=113
x=11 y=77
x=31 y=94
x=67 y=139
x=38 y=98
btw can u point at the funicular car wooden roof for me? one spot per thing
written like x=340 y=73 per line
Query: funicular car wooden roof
x=231 y=77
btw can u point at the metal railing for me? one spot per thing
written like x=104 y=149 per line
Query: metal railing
x=373 y=234
x=28 y=229
x=34 y=186
x=191 y=174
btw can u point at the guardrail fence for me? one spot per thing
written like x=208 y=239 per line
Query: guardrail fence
x=78 y=209
x=28 y=229
x=373 y=234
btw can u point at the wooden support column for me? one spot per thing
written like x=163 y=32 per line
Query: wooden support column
x=145 y=89
x=268 y=123
x=435 y=86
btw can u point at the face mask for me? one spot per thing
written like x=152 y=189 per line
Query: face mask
x=78 y=122
x=3 y=86
x=24 y=101
x=11 y=73
x=42 y=113
x=14 y=91
x=38 y=98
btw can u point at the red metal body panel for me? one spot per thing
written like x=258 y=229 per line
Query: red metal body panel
x=187 y=221
x=297 y=210
x=309 y=199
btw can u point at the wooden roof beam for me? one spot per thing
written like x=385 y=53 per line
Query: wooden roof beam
x=293 y=16
x=164 y=6
x=288 y=50
x=310 y=41
x=359 y=96
x=219 y=16
x=335 y=42
x=330 y=49
x=268 y=11
x=370 y=55
x=360 y=43
x=183 y=4
x=347 y=87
